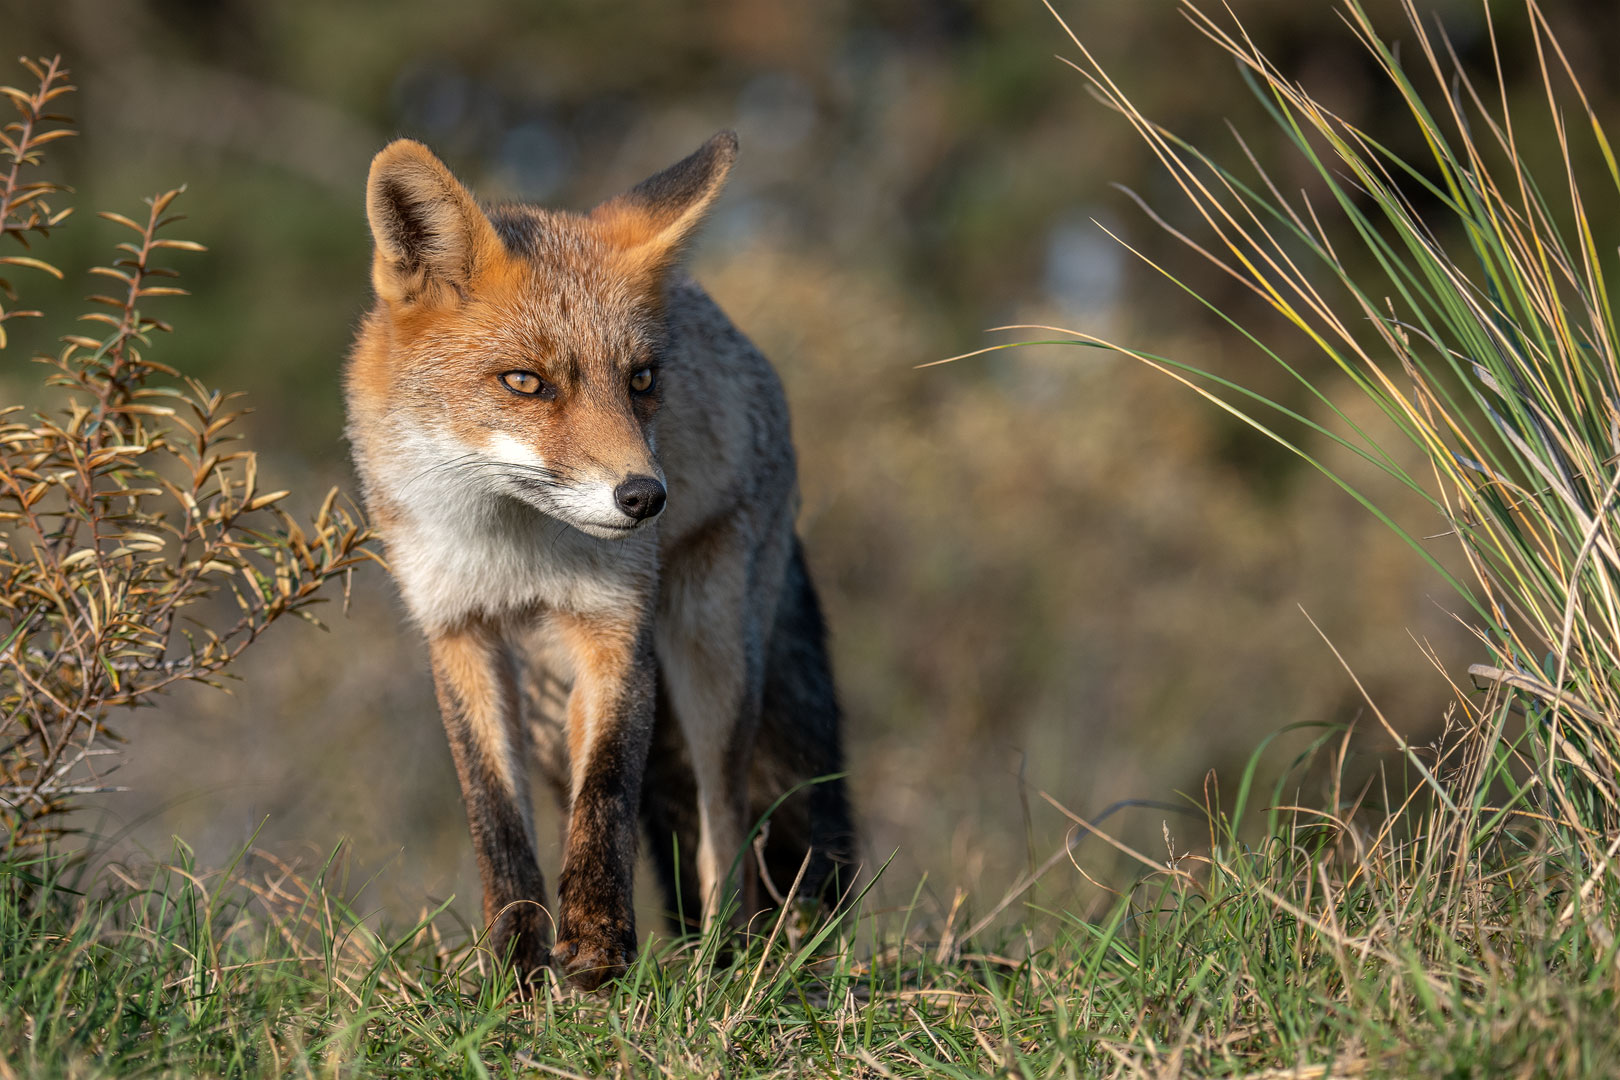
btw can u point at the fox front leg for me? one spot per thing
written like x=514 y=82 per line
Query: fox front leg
x=477 y=691
x=610 y=720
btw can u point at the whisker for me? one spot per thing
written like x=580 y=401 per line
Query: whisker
x=550 y=476
x=547 y=474
x=545 y=470
x=453 y=462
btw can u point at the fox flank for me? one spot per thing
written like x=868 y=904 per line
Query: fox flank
x=585 y=481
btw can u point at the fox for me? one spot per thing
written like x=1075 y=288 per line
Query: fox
x=584 y=480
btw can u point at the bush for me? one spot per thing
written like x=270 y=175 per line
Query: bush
x=128 y=509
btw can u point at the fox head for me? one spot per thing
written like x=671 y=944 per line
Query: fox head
x=522 y=345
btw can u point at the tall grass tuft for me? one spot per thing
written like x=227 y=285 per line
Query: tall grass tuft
x=1461 y=919
x=1466 y=294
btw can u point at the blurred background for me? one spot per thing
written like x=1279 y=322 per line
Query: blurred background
x=1046 y=570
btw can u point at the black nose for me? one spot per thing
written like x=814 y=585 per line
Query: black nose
x=640 y=496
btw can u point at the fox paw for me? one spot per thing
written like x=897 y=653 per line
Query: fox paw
x=588 y=962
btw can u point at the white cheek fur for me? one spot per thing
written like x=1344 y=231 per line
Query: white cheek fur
x=503 y=447
x=468 y=541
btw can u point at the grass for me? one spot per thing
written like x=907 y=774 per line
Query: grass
x=1345 y=944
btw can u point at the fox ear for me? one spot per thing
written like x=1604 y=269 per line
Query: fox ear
x=652 y=221
x=430 y=236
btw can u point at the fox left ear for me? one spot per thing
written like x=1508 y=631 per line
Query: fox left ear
x=430 y=237
x=652 y=221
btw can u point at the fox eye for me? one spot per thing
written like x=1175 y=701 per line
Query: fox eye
x=642 y=381
x=528 y=384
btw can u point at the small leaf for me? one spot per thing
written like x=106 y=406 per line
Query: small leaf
x=122 y=220
x=37 y=264
x=263 y=501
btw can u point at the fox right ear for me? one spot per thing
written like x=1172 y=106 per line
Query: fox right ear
x=430 y=236
x=651 y=222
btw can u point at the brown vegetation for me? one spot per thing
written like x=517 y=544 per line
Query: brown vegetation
x=125 y=508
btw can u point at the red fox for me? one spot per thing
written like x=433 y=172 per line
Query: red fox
x=585 y=483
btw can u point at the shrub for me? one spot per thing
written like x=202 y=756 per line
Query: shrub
x=128 y=508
